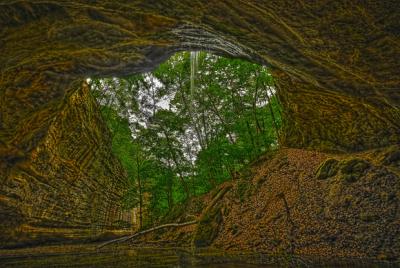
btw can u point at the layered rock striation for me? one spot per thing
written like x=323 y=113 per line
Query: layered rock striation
x=70 y=186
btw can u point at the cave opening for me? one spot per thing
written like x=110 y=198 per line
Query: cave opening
x=330 y=192
x=191 y=124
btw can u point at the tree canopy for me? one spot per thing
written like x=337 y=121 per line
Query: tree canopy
x=191 y=124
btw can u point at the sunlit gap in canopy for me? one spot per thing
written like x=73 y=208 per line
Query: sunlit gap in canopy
x=189 y=125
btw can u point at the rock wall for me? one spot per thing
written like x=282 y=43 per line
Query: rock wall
x=333 y=122
x=70 y=185
x=344 y=49
x=336 y=62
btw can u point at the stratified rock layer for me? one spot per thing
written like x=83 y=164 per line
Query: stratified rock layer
x=70 y=186
x=336 y=62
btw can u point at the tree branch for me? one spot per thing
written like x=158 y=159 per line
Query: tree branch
x=126 y=238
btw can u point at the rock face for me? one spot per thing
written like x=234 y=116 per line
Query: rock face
x=336 y=63
x=70 y=186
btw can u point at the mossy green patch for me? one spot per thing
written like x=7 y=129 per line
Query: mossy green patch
x=353 y=169
x=327 y=169
x=208 y=227
x=210 y=220
x=392 y=156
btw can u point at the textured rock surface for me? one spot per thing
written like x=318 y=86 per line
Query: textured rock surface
x=337 y=64
x=352 y=213
x=70 y=186
x=337 y=61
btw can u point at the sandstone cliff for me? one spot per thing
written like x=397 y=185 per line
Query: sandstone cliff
x=70 y=186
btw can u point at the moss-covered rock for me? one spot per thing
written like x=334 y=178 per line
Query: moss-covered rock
x=208 y=227
x=352 y=169
x=210 y=220
x=391 y=156
x=327 y=169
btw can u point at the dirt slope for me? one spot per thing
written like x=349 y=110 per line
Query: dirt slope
x=311 y=203
x=289 y=206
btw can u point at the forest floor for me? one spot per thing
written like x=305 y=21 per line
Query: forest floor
x=302 y=202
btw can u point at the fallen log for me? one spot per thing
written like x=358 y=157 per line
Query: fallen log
x=126 y=238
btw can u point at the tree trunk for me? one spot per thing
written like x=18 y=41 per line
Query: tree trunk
x=184 y=184
x=126 y=238
x=272 y=112
x=140 y=192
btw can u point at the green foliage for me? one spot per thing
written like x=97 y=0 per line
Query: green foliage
x=178 y=136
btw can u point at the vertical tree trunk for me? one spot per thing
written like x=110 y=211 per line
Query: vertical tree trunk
x=140 y=192
x=221 y=119
x=170 y=198
x=257 y=122
x=272 y=111
x=174 y=159
x=194 y=121
x=251 y=136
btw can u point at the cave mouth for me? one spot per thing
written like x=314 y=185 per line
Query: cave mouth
x=337 y=82
x=194 y=122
